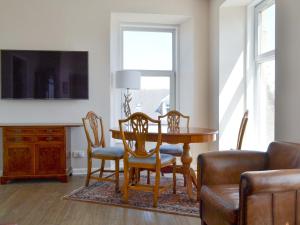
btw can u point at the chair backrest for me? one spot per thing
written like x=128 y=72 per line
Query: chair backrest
x=139 y=129
x=93 y=127
x=242 y=130
x=283 y=155
x=174 y=119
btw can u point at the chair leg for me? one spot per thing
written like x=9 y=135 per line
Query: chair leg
x=89 y=171
x=184 y=180
x=138 y=176
x=117 y=163
x=125 y=186
x=102 y=168
x=156 y=188
x=148 y=176
x=174 y=177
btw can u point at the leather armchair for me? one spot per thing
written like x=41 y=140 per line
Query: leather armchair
x=250 y=187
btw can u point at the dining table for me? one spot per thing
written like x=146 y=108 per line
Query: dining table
x=181 y=135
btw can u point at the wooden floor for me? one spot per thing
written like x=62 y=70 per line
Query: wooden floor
x=40 y=203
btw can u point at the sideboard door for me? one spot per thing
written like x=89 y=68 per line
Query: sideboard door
x=49 y=159
x=19 y=159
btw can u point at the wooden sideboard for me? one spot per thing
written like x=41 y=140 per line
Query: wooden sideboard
x=36 y=151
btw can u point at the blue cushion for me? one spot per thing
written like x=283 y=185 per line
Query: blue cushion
x=164 y=158
x=175 y=150
x=117 y=152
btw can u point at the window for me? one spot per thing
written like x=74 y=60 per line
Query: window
x=151 y=51
x=265 y=72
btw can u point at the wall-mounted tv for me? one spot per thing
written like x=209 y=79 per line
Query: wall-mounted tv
x=27 y=74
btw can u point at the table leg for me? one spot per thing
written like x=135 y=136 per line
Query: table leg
x=188 y=172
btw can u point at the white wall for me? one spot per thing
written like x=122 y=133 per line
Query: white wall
x=232 y=83
x=287 y=107
x=85 y=25
x=213 y=81
x=287 y=111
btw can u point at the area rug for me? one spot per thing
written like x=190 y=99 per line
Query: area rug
x=104 y=193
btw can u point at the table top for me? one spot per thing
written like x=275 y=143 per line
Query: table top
x=181 y=135
x=180 y=131
x=41 y=124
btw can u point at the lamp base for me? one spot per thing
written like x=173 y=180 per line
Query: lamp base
x=126 y=104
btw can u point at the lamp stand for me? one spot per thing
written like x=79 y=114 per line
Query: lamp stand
x=126 y=104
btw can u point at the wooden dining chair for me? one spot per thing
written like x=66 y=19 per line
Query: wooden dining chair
x=140 y=159
x=242 y=130
x=98 y=150
x=174 y=119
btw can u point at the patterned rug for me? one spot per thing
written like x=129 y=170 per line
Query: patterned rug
x=104 y=193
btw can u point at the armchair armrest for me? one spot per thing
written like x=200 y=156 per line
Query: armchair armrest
x=270 y=181
x=269 y=196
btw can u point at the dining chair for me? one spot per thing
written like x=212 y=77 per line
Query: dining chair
x=138 y=158
x=97 y=149
x=242 y=130
x=174 y=119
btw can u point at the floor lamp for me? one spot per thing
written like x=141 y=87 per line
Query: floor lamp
x=128 y=79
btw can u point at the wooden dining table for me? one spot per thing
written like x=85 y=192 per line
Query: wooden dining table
x=184 y=136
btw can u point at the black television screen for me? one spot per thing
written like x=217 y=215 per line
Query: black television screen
x=44 y=74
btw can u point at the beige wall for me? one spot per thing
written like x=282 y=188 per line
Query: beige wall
x=85 y=25
x=287 y=111
x=213 y=82
x=287 y=116
x=232 y=82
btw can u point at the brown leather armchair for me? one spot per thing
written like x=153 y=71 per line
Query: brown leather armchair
x=250 y=187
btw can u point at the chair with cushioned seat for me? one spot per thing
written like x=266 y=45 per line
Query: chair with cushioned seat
x=174 y=120
x=97 y=149
x=139 y=159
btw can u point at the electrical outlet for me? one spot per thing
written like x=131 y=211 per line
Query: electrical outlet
x=81 y=154
x=78 y=154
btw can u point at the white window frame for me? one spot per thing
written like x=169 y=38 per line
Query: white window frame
x=259 y=59
x=156 y=73
x=267 y=56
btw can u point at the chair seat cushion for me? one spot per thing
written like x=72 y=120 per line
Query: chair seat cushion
x=220 y=204
x=115 y=152
x=164 y=158
x=175 y=150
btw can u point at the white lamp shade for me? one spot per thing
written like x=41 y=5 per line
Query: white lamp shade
x=130 y=79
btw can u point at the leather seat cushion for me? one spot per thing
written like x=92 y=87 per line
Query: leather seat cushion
x=164 y=158
x=117 y=152
x=223 y=200
x=175 y=150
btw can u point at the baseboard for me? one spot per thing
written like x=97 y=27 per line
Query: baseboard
x=82 y=171
x=79 y=171
x=75 y=171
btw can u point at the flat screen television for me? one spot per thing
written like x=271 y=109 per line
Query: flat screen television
x=27 y=74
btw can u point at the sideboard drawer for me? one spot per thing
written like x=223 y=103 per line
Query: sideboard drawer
x=50 y=131
x=19 y=131
x=51 y=138
x=20 y=139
